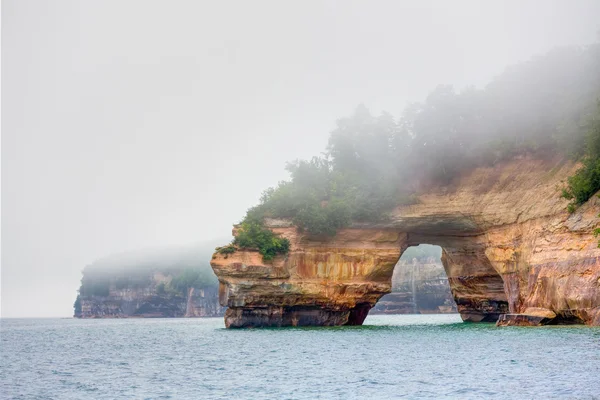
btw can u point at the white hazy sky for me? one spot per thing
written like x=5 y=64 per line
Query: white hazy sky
x=133 y=124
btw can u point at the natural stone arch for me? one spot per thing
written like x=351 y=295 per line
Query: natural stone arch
x=337 y=282
x=478 y=289
x=509 y=245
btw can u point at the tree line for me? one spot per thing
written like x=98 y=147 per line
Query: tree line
x=373 y=163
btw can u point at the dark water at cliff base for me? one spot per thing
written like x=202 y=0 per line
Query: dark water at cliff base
x=399 y=356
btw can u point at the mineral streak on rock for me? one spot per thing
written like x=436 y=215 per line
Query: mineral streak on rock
x=509 y=247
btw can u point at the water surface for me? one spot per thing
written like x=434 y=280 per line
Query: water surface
x=400 y=356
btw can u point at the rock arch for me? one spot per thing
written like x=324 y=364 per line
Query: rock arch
x=511 y=252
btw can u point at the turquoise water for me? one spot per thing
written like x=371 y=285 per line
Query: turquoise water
x=400 y=356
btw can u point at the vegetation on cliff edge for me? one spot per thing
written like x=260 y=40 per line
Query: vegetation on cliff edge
x=252 y=234
x=374 y=163
x=586 y=180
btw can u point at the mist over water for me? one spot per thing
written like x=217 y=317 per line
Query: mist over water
x=402 y=356
x=136 y=132
x=137 y=124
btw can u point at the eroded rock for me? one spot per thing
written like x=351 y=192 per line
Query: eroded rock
x=509 y=246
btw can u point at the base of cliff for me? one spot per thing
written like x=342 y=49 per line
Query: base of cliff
x=522 y=320
x=534 y=316
x=241 y=317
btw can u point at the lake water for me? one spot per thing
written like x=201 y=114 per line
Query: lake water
x=400 y=356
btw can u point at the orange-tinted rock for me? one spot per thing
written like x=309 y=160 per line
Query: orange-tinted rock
x=509 y=246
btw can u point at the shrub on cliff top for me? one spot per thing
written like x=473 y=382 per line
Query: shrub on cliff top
x=226 y=250
x=253 y=235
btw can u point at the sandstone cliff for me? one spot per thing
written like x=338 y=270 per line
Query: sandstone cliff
x=149 y=300
x=168 y=282
x=510 y=249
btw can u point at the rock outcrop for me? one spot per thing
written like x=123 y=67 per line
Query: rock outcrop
x=509 y=247
x=174 y=281
x=149 y=300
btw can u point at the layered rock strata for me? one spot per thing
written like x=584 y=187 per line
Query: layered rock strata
x=145 y=301
x=509 y=247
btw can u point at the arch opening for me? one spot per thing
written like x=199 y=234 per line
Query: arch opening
x=478 y=291
x=419 y=284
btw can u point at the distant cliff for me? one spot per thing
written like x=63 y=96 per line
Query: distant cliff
x=419 y=286
x=175 y=282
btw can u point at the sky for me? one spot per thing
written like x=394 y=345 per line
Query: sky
x=135 y=124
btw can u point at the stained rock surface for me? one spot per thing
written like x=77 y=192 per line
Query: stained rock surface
x=509 y=245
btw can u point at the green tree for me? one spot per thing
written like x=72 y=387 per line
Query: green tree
x=374 y=163
x=190 y=278
x=586 y=181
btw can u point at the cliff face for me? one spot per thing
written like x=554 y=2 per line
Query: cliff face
x=510 y=249
x=418 y=287
x=149 y=299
